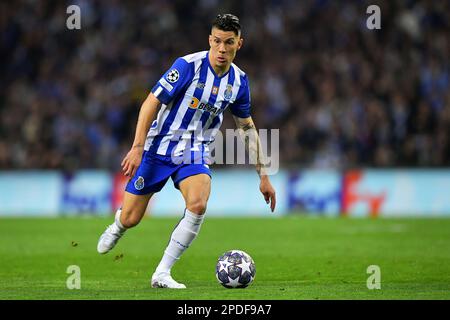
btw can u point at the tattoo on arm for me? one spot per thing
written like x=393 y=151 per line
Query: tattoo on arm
x=253 y=146
x=248 y=126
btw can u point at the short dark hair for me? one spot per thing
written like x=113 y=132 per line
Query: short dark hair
x=227 y=22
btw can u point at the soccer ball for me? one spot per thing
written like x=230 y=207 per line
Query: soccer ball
x=235 y=269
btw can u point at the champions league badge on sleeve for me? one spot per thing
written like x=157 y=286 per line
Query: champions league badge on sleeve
x=173 y=75
x=228 y=92
x=139 y=183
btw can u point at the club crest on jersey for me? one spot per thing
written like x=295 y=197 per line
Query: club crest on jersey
x=173 y=75
x=139 y=183
x=228 y=92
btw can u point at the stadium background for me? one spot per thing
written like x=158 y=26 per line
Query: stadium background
x=345 y=98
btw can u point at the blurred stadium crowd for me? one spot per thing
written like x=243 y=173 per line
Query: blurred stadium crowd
x=342 y=95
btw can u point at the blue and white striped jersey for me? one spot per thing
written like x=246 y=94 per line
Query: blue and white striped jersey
x=193 y=100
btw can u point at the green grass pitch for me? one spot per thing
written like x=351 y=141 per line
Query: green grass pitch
x=296 y=257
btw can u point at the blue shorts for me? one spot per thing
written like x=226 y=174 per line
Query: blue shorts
x=155 y=170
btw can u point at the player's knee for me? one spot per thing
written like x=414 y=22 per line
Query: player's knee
x=130 y=220
x=197 y=206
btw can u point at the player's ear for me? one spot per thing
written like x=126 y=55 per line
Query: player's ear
x=210 y=40
x=240 y=42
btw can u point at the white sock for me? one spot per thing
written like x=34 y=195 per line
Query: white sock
x=182 y=236
x=117 y=222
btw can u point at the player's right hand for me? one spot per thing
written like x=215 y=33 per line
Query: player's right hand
x=132 y=161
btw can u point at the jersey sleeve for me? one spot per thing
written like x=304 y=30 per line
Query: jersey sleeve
x=241 y=107
x=173 y=81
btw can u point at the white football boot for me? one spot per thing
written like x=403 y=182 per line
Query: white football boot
x=165 y=280
x=109 y=238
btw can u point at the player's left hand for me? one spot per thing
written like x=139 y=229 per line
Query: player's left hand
x=268 y=192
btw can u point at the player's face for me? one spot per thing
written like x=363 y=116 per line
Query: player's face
x=224 y=45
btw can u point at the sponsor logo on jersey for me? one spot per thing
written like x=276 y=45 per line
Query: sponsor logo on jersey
x=228 y=92
x=139 y=183
x=201 y=85
x=196 y=104
x=173 y=75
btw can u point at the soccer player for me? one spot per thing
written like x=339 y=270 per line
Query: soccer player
x=185 y=109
